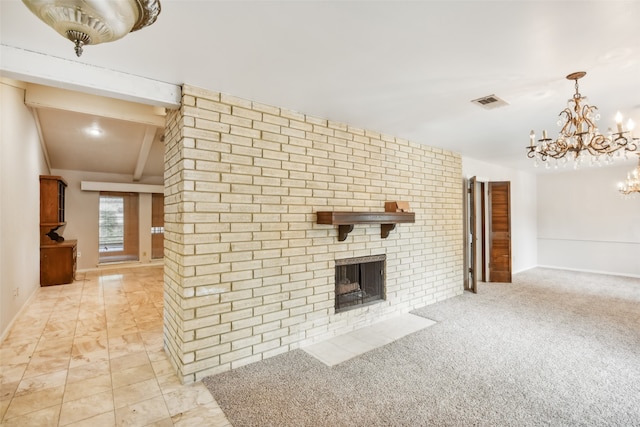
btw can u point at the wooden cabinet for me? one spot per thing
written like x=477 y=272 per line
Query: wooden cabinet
x=52 y=194
x=52 y=214
x=57 y=256
x=58 y=263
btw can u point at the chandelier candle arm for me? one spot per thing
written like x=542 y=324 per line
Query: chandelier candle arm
x=579 y=135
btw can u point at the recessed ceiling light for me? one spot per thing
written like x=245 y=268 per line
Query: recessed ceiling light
x=93 y=131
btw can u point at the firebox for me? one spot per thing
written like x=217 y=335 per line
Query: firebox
x=359 y=281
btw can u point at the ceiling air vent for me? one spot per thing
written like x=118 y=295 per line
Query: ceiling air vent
x=490 y=102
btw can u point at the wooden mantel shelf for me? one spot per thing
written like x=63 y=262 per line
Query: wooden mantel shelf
x=346 y=220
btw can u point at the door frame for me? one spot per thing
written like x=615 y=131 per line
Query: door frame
x=471 y=276
x=477 y=230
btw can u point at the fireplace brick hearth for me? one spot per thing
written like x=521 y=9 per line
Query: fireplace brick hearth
x=249 y=274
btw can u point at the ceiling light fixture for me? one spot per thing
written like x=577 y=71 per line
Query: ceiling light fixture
x=87 y=22
x=632 y=183
x=94 y=131
x=579 y=134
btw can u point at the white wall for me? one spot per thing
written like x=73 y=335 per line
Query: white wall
x=21 y=164
x=82 y=214
x=523 y=208
x=585 y=224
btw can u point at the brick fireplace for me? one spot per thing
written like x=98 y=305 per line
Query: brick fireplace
x=249 y=273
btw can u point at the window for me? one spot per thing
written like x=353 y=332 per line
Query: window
x=118 y=227
x=111 y=223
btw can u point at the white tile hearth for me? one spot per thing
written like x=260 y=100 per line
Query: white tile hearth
x=344 y=347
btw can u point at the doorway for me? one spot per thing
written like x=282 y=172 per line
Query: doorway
x=487 y=232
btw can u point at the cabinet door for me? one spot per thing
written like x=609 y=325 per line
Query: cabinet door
x=61 y=190
x=48 y=201
x=52 y=199
x=57 y=265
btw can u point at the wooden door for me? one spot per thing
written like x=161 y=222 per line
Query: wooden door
x=157 y=226
x=499 y=232
x=482 y=247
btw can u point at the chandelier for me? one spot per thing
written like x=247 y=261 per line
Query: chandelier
x=632 y=183
x=87 y=22
x=579 y=136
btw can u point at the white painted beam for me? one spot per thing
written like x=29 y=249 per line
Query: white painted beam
x=38 y=96
x=48 y=70
x=121 y=187
x=145 y=149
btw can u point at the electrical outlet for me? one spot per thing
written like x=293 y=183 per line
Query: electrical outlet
x=79 y=254
x=16 y=292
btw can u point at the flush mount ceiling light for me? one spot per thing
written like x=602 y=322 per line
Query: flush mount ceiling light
x=579 y=134
x=87 y=22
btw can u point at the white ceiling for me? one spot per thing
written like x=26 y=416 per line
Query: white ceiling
x=67 y=144
x=408 y=69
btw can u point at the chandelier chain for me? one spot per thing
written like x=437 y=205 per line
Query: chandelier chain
x=577 y=94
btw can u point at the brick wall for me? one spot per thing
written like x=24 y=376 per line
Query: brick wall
x=248 y=272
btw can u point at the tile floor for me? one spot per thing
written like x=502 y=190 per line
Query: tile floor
x=90 y=354
x=343 y=347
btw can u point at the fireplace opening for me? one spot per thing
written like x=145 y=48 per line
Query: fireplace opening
x=359 y=281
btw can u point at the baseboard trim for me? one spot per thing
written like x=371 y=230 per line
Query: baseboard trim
x=18 y=314
x=607 y=273
x=123 y=264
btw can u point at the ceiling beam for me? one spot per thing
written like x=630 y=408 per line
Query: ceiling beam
x=145 y=149
x=33 y=67
x=121 y=187
x=38 y=96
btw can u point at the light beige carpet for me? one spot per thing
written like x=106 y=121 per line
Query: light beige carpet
x=554 y=348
